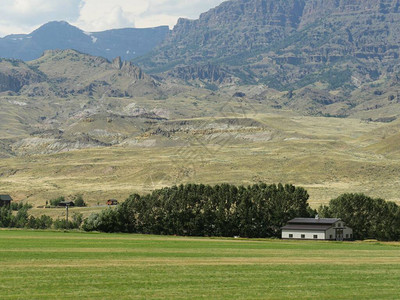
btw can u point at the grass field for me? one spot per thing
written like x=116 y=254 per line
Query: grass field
x=50 y=265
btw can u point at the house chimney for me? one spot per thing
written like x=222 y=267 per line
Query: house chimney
x=317 y=217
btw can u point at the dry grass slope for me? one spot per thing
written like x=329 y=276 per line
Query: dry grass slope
x=325 y=155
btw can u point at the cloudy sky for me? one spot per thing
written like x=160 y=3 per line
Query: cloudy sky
x=23 y=16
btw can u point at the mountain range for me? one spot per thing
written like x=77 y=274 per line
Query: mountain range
x=127 y=43
x=285 y=45
x=325 y=58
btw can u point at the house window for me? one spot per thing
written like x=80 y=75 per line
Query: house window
x=330 y=237
x=347 y=236
x=351 y=235
x=290 y=235
x=303 y=236
x=315 y=236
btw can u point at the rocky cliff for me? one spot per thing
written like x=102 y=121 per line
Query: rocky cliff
x=289 y=44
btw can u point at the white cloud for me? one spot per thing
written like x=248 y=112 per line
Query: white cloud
x=22 y=16
x=184 y=8
x=167 y=12
x=97 y=15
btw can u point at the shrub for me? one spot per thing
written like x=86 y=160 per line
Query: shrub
x=74 y=224
x=42 y=222
x=22 y=219
x=107 y=220
x=16 y=206
x=62 y=224
x=78 y=201
x=6 y=217
x=56 y=201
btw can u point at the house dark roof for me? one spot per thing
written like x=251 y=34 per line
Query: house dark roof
x=66 y=203
x=307 y=227
x=320 y=224
x=314 y=221
x=5 y=198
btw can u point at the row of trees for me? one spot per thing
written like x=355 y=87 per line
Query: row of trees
x=22 y=219
x=16 y=206
x=259 y=210
x=369 y=217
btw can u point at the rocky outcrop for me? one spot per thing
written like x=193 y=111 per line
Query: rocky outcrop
x=128 y=69
x=9 y=83
x=14 y=75
x=209 y=73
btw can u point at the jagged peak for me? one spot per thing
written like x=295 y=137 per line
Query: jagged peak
x=128 y=68
x=117 y=63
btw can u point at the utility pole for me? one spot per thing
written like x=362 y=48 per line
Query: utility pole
x=66 y=207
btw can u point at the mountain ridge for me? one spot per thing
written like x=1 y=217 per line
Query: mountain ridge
x=127 y=43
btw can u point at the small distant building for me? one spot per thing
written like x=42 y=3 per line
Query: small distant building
x=112 y=202
x=66 y=203
x=5 y=200
x=317 y=229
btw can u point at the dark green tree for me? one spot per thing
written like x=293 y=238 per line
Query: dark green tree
x=369 y=217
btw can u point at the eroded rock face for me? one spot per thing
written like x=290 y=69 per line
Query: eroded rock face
x=209 y=73
x=315 y=9
x=285 y=43
x=237 y=26
x=16 y=74
x=9 y=83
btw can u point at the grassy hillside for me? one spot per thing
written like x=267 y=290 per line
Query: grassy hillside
x=327 y=156
x=50 y=265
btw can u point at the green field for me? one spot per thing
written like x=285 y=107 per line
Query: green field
x=49 y=265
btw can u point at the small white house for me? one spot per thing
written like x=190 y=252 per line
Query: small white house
x=317 y=229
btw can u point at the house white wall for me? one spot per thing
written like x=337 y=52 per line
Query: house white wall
x=308 y=234
x=331 y=234
x=339 y=224
x=347 y=232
